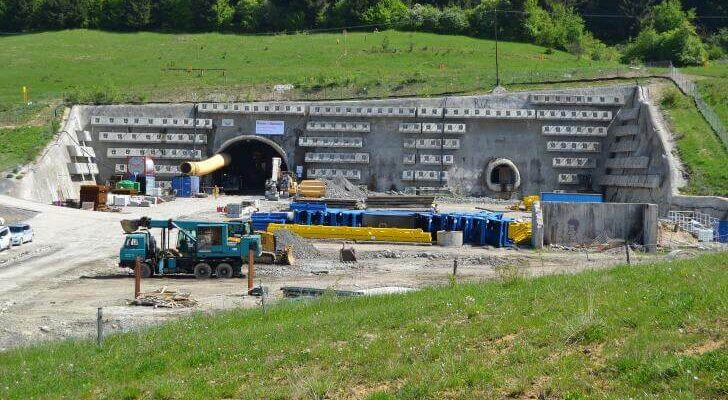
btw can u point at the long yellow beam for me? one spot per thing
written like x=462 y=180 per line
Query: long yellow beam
x=357 y=234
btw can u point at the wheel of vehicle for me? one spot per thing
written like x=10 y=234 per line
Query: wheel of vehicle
x=224 y=271
x=202 y=271
x=146 y=270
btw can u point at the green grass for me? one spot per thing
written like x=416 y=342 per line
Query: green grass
x=90 y=64
x=21 y=145
x=648 y=331
x=702 y=152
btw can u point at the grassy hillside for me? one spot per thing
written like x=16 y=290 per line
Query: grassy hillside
x=21 y=145
x=700 y=149
x=655 y=331
x=130 y=65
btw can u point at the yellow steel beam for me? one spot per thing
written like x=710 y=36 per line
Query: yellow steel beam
x=358 y=234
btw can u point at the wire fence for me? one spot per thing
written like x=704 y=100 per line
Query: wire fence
x=689 y=88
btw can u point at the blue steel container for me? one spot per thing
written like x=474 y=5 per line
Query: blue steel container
x=186 y=186
x=572 y=197
x=722 y=232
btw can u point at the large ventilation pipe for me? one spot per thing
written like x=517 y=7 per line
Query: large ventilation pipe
x=204 y=167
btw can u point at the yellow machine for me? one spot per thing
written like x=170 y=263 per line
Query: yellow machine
x=312 y=188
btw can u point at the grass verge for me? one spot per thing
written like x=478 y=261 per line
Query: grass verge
x=21 y=145
x=701 y=151
x=651 y=331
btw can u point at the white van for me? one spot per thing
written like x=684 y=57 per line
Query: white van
x=4 y=238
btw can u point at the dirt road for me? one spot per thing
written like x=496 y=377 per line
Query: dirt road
x=52 y=287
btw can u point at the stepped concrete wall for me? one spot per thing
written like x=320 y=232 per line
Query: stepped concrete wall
x=599 y=140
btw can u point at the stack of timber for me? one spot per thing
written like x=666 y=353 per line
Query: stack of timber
x=164 y=298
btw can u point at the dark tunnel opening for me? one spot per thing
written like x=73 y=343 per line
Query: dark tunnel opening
x=251 y=164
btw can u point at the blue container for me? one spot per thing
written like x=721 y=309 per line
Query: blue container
x=721 y=232
x=572 y=197
x=185 y=185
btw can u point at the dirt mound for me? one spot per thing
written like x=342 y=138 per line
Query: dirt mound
x=302 y=248
x=341 y=188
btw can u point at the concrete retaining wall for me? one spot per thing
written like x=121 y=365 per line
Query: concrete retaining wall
x=588 y=223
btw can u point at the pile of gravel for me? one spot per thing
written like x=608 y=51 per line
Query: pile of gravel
x=301 y=247
x=341 y=188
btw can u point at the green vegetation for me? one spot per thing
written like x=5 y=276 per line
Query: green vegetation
x=700 y=149
x=93 y=66
x=22 y=145
x=648 y=331
x=668 y=34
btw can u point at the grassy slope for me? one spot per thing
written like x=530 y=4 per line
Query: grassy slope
x=653 y=331
x=714 y=88
x=21 y=145
x=54 y=62
x=700 y=149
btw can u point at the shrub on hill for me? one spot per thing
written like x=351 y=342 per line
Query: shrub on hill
x=668 y=34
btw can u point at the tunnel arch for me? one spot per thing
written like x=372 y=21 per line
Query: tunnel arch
x=502 y=175
x=250 y=164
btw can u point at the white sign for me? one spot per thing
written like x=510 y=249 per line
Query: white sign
x=299 y=171
x=269 y=127
x=228 y=122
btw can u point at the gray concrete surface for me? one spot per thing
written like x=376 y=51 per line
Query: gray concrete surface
x=594 y=223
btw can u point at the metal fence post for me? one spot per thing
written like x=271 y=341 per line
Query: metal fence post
x=99 y=325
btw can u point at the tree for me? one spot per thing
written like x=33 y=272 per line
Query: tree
x=224 y=13
x=668 y=34
x=453 y=20
x=248 y=15
x=62 y=14
x=175 y=15
x=17 y=15
x=385 y=12
x=482 y=20
x=204 y=16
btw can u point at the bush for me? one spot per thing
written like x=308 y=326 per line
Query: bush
x=422 y=18
x=248 y=14
x=482 y=20
x=453 y=20
x=668 y=34
x=387 y=12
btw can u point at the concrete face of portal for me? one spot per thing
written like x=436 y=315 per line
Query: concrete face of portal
x=600 y=139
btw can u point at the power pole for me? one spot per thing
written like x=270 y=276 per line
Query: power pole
x=497 y=70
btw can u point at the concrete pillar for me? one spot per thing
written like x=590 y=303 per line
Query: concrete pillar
x=536 y=225
x=649 y=227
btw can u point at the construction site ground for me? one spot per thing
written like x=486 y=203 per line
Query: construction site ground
x=51 y=288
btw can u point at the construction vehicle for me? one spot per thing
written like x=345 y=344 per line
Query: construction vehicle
x=203 y=248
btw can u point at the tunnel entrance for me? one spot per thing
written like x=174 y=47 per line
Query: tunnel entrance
x=251 y=164
x=502 y=175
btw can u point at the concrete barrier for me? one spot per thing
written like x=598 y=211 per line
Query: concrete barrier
x=589 y=223
x=450 y=238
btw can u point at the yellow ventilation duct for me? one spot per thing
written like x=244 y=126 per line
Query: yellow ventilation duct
x=204 y=167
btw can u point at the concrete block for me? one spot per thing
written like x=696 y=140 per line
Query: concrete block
x=450 y=238
x=566 y=130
